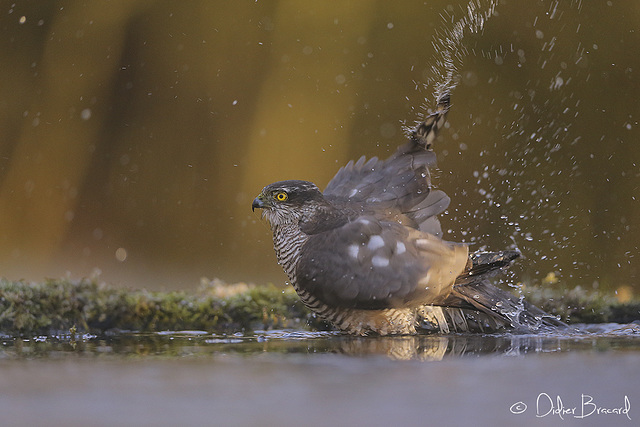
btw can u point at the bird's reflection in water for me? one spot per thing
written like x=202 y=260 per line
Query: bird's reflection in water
x=439 y=347
x=435 y=347
x=276 y=343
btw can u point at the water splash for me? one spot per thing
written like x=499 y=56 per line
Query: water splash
x=450 y=51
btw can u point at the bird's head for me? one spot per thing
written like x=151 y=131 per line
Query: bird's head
x=287 y=201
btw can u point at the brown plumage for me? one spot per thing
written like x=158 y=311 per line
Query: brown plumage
x=367 y=255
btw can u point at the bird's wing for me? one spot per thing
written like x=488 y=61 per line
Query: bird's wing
x=424 y=214
x=404 y=177
x=373 y=264
x=402 y=182
x=398 y=185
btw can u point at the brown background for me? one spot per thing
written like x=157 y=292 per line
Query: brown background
x=134 y=134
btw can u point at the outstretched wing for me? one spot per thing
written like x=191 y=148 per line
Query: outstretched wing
x=373 y=264
x=402 y=182
x=404 y=177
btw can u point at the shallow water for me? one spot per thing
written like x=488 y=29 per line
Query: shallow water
x=168 y=344
x=322 y=378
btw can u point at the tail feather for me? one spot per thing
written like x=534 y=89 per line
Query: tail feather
x=475 y=305
x=426 y=132
x=505 y=307
x=487 y=264
x=438 y=319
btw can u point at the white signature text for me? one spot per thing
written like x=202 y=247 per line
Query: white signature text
x=546 y=405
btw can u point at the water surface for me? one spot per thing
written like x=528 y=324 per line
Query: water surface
x=168 y=344
x=322 y=378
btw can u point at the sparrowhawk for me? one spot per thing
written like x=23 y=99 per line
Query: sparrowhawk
x=367 y=254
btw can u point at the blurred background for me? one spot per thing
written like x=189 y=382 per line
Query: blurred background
x=135 y=134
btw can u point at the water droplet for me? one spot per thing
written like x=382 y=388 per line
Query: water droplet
x=85 y=114
x=121 y=254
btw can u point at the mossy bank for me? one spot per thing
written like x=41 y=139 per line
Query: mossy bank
x=52 y=306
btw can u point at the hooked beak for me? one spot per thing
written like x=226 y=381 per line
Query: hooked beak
x=257 y=203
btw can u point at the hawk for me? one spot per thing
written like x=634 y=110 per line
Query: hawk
x=367 y=253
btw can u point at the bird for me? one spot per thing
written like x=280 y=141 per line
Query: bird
x=367 y=254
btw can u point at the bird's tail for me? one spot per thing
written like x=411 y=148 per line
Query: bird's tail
x=425 y=133
x=475 y=305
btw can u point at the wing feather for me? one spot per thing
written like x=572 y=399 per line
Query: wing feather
x=373 y=264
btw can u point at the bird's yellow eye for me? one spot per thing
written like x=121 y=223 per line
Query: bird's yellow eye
x=281 y=196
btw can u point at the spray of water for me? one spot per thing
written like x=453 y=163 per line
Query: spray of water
x=450 y=52
x=449 y=48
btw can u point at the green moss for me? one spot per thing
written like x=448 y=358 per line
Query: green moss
x=58 y=305
x=577 y=305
